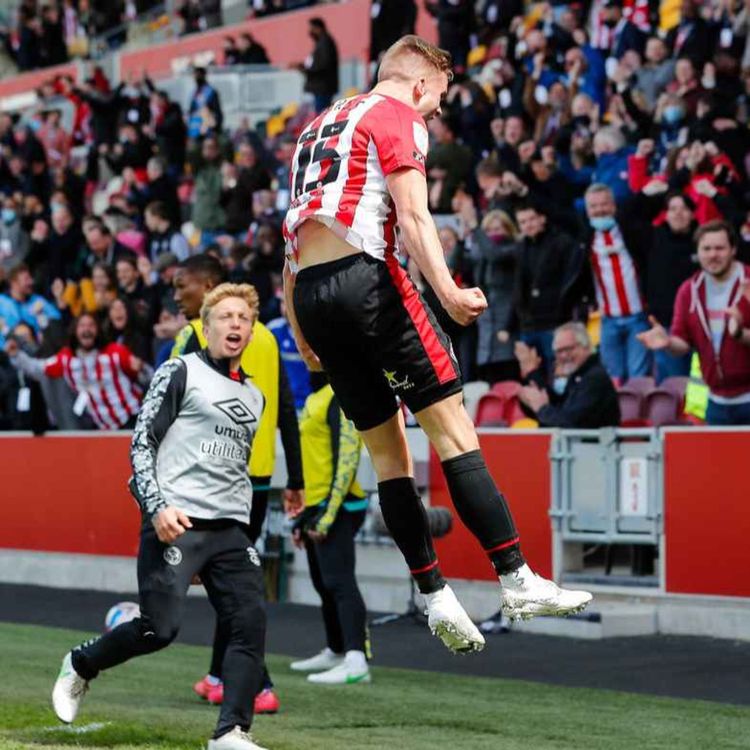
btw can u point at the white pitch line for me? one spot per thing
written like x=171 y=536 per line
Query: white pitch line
x=83 y=729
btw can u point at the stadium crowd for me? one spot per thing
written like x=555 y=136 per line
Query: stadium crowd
x=50 y=32
x=590 y=165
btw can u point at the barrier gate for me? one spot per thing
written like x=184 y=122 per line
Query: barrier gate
x=607 y=489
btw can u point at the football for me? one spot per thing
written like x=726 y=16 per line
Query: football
x=120 y=613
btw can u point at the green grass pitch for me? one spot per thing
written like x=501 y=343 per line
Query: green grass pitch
x=148 y=704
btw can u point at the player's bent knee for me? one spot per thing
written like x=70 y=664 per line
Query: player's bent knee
x=158 y=635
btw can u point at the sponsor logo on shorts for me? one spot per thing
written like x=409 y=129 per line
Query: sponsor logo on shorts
x=418 y=157
x=253 y=556
x=395 y=383
x=173 y=555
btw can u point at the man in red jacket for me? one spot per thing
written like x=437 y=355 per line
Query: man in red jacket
x=708 y=313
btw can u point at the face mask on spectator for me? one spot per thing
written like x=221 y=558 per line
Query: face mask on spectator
x=9 y=215
x=559 y=384
x=672 y=115
x=495 y=237
x=602 y=223
x=56 y=206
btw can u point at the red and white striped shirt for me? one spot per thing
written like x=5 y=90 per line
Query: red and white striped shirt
x=340 y=165
x=615 y=275
x=107 y=378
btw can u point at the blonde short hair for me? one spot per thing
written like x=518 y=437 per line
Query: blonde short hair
x=497 y=215
x=223 y=291
x=413 y=46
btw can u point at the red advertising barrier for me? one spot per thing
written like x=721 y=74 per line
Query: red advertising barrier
x=68 y=494
x=26 y=82
x=706 y=513
x=519 y=463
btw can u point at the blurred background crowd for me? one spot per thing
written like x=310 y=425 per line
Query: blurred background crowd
x=591 y=162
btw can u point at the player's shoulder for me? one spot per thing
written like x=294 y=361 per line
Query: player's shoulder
x=166 y=372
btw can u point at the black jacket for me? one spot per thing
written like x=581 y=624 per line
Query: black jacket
x=552 y=279
x=322 y=77
x=588 y=402
x=394 y=19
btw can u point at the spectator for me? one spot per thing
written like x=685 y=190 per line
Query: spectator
x=653 y=77
x=101 y=244
x=239 y=182
x=28 y=56
x=582 y=395
x=55 y=139
x=550 y=279
x=456 y=23
x=22 y=405
x=692 y=36
x=14 y=240
x=54 y=50
x=448 y=164
x=208 y=214
x=231 y=54
x=624 y=35
x=21 y=305
x=170 y=132
x=205 y=115
x=108 y=378
x=121 y=327
x=494 y=253
x=250 y=52
x=159 y=188
x=321 y=68
x=133 y=289
x=611 y=167
x=710 y=315
x=163 y=237
x=296 y=370
x=56 y=250
x=614 y=245
x=391 y=19
x=669 y=261
x=459 y=264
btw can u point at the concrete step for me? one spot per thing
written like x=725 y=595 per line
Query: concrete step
x=608 y=621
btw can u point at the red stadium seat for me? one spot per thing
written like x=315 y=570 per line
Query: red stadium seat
x=640 y=385
x=677 y=385
x=631 y=405
x=662 y=407
x=506 y=389
x=513 y=410
x=491 y=411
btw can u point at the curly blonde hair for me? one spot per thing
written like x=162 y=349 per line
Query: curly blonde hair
x=217 y=294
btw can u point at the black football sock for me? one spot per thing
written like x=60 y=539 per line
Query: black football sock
x=406 y=519
x=483 y=510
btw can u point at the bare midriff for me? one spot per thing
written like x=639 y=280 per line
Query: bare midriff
x=318 y=244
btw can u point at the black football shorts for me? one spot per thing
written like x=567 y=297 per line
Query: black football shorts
x=376 y=338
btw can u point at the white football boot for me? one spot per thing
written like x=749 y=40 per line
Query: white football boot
x=449 y=622
x=68 y=692
x=352 y=671
x=234 y=740
x=326 y=659
x=525 y=595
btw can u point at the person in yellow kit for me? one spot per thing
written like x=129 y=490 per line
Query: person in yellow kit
x=261 y=361
x=335 y=507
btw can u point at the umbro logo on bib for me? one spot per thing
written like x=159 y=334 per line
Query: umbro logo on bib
x=236 y=411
